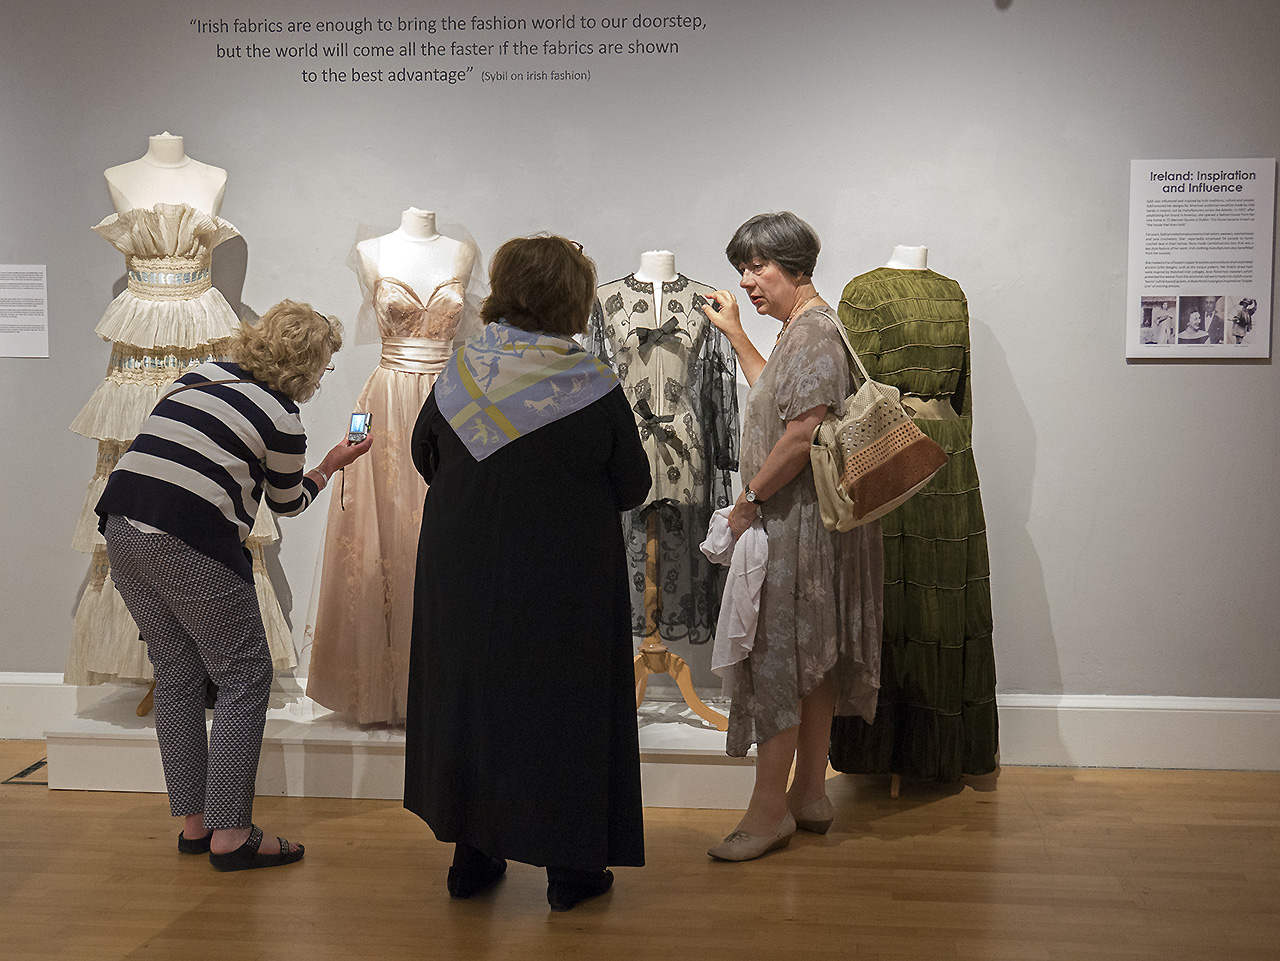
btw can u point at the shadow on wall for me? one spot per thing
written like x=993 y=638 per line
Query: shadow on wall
x=1026 y=655
x=230 y=264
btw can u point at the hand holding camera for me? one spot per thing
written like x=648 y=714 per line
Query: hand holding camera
x=355 y=445
x=361 y=424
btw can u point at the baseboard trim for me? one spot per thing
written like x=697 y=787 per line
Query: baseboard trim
x=1071 y=730
x=1202 y=733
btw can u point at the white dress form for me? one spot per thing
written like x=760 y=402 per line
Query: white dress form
x=657 y=267
x=165 y=174
x=415 y=254
x=909 y=258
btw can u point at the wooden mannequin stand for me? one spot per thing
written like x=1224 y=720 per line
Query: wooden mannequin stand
x=653 y=656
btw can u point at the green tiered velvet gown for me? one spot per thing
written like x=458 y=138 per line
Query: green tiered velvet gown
x=936 y=717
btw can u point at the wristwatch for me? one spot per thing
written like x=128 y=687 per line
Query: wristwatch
x=753 y=497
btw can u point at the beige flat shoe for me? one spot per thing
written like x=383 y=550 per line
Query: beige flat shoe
x=741 y=846
x=816 y=816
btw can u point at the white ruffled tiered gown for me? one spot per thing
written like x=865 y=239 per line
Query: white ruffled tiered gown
x=167 y=320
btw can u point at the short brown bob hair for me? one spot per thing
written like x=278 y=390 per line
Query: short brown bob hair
x=544 y=283
x=288 y=348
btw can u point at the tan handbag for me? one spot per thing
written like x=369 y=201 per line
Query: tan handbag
x=873 y=458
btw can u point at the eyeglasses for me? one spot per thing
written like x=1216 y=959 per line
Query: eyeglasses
x=576 y=244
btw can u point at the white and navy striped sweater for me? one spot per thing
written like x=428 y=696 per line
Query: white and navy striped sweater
x=203 y=459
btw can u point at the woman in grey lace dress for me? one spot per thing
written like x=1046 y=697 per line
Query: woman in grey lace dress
x=816 y=651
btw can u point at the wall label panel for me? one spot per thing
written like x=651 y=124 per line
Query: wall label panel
x=24 y=311
x=1201 y=241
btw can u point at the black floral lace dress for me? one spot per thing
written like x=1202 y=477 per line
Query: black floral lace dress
x=680 y=378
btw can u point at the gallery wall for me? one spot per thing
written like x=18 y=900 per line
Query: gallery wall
x=1131 y=511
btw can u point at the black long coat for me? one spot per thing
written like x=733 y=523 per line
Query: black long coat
x=521 y=730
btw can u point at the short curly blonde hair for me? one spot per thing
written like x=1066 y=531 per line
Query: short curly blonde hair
x=288 y=348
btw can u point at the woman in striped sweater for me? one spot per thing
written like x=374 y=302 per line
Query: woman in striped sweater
x=175 y=513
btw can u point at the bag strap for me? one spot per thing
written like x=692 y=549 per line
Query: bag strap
x=844 y=336
x=208 y=383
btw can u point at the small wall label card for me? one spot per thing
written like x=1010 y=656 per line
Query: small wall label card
x=1201 y=243
x=24 y=311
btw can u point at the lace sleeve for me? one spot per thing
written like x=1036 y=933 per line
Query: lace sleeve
x=595 y=338
x=716 y=378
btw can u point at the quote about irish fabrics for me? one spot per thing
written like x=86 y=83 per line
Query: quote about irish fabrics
x=450 y=50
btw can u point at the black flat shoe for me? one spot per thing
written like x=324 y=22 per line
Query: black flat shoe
x=566 y=887
x=472 y=871
x=188 y=845
x=247 y=856
x=465 y=884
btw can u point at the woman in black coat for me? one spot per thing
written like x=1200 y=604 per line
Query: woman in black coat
x=521 y=730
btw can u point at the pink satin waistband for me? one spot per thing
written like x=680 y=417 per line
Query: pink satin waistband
x=415 y=355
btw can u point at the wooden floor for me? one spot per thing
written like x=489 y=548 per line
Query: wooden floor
x=1038 y=863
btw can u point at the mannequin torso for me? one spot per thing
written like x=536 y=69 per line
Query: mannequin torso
x=416 y=255
x=165 y=174
x=657 y=266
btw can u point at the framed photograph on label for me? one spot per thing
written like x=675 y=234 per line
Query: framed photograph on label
x=1201 y=244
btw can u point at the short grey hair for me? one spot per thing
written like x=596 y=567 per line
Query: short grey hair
x=781 y=237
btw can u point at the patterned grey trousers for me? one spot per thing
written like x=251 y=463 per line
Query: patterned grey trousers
x=198 y=619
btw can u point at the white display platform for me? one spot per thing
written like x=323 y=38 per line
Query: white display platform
x=308 y=751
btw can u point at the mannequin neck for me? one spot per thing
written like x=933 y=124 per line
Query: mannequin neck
x=166 y=150
x=909 y=258
x=657 y=266
x=418 y=224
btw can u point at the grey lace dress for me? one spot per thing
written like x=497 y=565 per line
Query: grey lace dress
x=680 y=379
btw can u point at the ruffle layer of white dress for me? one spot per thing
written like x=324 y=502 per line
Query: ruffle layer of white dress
x=118 y=408
x=156 y=324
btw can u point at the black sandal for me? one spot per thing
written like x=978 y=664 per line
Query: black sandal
x=188 y=845
x=247 y=856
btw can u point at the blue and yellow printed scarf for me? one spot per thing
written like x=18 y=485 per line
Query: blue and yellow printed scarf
x=508 y=382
